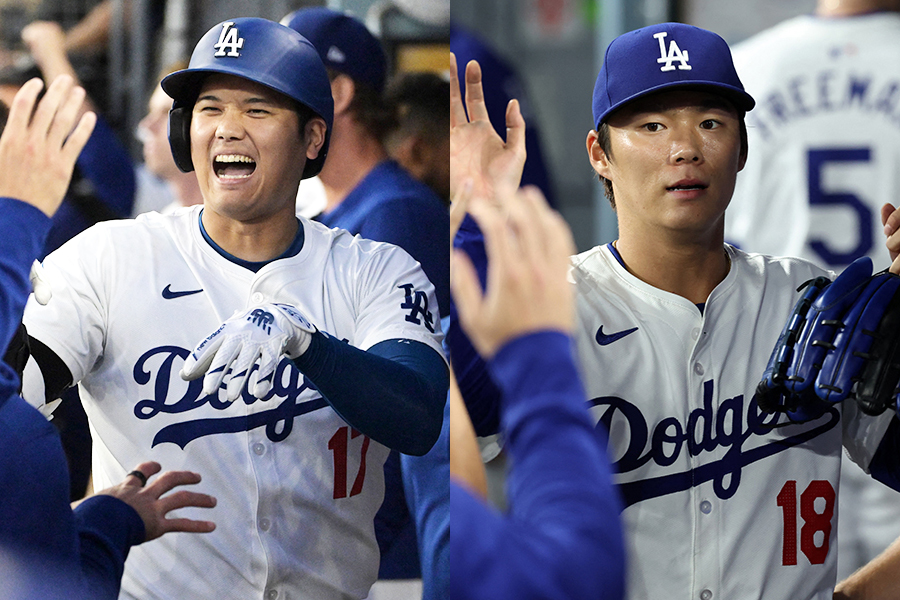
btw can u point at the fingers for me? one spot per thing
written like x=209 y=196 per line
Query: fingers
x=188 y=526
x=51 y=109
x=186 y=499
x=457 y=111
x=240 y=370
x=170 y=480
x=22 y=107
x=515 y=127
x=140 y=474
x=198 y=361
x=475 y=105
x=79 y=137
x=220 y=365
x=890 y=218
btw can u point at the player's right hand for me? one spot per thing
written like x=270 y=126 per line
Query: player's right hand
x=150 y=504
x=260 y=335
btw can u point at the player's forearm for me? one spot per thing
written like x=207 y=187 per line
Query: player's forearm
x=394 y=392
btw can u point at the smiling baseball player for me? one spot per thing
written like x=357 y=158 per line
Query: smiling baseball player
x=675 y=329
x=292 y=446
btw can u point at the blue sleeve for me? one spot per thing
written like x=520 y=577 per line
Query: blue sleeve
x=394 y=392
x=426 y=480
x=562 y=538
x=479 y=392
x=105 y=162
x=107 y=529
x=23 y=229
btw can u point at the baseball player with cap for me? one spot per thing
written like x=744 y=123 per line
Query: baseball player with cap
x=323 y=350
x=371 y=195
x=675 y=329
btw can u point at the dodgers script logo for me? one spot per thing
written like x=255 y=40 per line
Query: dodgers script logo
x=675 y=53
x=157 y=367
x=228 y=38
x=730 y=427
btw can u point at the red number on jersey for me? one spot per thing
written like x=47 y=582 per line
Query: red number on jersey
x=813 y=521
x=339 y=445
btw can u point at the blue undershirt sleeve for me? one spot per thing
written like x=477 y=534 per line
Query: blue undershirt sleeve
x=562 y=537
x=107 y=529
x=394 y=392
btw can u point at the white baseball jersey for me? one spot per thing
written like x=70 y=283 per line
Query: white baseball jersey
x=719 y=504
x=297 y=488
x=824 y=138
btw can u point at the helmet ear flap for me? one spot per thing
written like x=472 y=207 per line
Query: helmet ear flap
x=180 y=137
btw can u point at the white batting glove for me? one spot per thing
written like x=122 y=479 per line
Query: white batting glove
x=40 y=286
x=260 y=335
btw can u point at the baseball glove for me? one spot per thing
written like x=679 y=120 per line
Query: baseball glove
x=840 y=342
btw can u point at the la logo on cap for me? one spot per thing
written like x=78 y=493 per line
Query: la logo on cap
x=675 y=53
x=228 y=39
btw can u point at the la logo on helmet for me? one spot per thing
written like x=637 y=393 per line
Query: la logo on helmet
x=675 y=53
x=228 y=39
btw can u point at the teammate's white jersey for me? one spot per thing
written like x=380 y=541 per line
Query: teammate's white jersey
x=824 y=138
x=718 y=503
x=297 y=488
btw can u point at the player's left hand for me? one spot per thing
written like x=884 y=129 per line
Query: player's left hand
x=260 y=335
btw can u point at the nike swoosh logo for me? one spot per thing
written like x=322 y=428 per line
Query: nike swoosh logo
x=168 y=294
x=606 y=339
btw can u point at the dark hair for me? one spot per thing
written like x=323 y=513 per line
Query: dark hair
x=420 y=102
x=369 y=107
x=603 y=140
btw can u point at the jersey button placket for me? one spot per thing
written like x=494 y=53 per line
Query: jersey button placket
x=706 y=595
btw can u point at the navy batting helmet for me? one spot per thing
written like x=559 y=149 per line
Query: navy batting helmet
x=258 y=50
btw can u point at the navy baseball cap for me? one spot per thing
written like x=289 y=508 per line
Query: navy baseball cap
x=659 y=57
x=343 y=43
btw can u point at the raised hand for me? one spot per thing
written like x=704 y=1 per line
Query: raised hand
x=149 y=502
x=528 y=246
x=260 y=335
x=38 y=152
x=476 y=151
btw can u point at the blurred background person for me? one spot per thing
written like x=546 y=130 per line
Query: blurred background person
x=420 y=142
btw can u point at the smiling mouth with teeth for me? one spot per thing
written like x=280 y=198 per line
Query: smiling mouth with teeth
x=233 y=166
